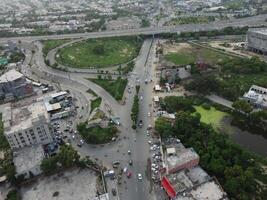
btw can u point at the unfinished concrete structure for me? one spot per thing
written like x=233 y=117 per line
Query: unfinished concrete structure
x=257 y=40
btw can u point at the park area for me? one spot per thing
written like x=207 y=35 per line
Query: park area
x=184 y=54
x=114 y=87
x=211 y=116
x=97 y=134
x=48 y=45
x=99 y=53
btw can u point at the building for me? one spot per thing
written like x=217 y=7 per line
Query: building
x=59 y=105
x=257 y=40
x=179 y=158
x=28 y=160
x=14 y=85
x=26 y=125
x=192 y=184
x=257 y=96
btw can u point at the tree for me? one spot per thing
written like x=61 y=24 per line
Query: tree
x=99 y=49
x=243 y=106
x=163 y=127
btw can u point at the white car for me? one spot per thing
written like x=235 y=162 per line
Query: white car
x=140 y=177
x=149 y=142
x=149 y=114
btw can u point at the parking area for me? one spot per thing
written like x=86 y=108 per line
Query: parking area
x=68 y=185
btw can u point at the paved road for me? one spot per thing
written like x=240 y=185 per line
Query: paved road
x=35 y=68
x=248 y=21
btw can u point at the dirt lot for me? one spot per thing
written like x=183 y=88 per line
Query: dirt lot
x=70 y=185
x=175 y=47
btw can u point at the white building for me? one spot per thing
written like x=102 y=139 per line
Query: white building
x=257 y=96
x=26 y=125
x=257 y=40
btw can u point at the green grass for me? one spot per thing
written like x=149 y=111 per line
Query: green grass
x=96 y=103
x=212 y=116
x=48 y=45
x=97 y=135
x=114 y=87
x=194 y=54
x=83 y=55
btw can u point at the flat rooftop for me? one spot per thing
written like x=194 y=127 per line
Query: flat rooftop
x=21 y=116
x=28 y=157
x=208 y=191
x=181 y=157
x=260 y=31
x=11 y=75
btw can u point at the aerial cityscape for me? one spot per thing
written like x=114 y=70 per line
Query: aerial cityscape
x=133 y=100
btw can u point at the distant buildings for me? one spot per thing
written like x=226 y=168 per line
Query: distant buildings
x=26 y=125
x=257 y=40
x=257 y=96
x=124 y=23
x=14 y=85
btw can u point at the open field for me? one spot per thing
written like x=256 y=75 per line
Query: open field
x=68 y=185
x=192 y=54
x=97 y=53
x=212 y=116
x=114 y=87
x=48 y=45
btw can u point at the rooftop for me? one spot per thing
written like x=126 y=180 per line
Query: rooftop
x=181 y=157
x=19 y=117
x=208 y=191
x=28 y=157
x=11 y=75
x=260 y=31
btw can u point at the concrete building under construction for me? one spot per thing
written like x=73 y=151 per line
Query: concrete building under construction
x=257 y=40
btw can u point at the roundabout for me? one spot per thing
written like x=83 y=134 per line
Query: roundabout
x=99 y=53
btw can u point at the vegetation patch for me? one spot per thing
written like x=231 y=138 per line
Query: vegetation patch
x=97 y=53
x=96 y=103
x=48 y=45
x=66 y=157
x=195 y=54
x=96 y=134
x=114 y=87
x=13 y=195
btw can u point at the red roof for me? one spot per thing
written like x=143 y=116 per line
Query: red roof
x=168 y=187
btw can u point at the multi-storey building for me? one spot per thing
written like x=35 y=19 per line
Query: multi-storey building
x=26 y=125
x=14 y=85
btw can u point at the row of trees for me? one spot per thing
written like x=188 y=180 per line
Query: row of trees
x=235 y=169
x=135 y=108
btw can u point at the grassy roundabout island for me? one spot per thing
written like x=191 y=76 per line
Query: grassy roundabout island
x=96 y=134
x=97 y=53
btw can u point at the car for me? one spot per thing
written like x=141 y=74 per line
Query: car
x=73 y=136
x=146 y=81
x=141 y=98
x=79 y=145
x=130 y=162
x=140 y=177
x=125 y=170
x=140 y=124
x=129 y=152
x=149 y=114
x=149 y=142
x=129 y=174
x=81 y=141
